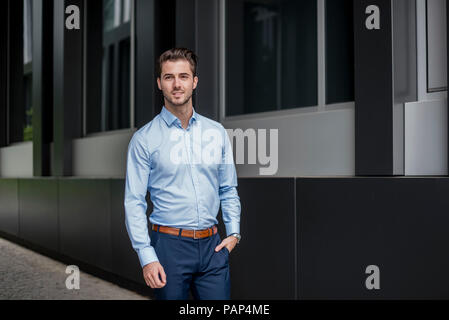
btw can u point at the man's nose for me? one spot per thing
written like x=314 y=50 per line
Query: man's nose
x=177 y=82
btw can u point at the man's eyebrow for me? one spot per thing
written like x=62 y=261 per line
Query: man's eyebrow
x=181 y=74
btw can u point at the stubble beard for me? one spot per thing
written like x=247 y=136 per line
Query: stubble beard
x=178 y=104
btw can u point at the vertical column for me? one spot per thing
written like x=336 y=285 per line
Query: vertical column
x=3 y=74
x=67 y=86
x=42 y=85
x=186 y=22
x=15 y=73
x=207 y=49
x=373 y=87
x=94 y=61
x=145 y=61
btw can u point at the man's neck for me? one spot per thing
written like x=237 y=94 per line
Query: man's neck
x=183 y=113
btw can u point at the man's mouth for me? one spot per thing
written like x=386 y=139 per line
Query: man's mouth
x=177 y=93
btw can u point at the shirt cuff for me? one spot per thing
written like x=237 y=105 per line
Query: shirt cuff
x=232 y=227
x=147 y=255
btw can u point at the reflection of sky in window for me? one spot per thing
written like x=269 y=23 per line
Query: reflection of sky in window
x=127 y=11
x=112 y=13
x=27 y=32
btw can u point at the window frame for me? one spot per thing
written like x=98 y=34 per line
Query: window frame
x=430 y=89
x=115 y=35
x=421 y=51
x=321 y=52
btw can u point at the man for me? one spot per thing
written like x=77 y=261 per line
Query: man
x=185 y=161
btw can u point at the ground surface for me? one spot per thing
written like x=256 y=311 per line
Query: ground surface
x=25 y=274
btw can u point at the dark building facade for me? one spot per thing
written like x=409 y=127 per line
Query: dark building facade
x=352 y=94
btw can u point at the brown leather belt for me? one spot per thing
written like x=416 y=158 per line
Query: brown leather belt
x=195 y=234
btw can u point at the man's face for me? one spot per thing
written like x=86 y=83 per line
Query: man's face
x=177 y=82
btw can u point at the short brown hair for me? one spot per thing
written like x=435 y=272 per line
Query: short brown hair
x=178 y=54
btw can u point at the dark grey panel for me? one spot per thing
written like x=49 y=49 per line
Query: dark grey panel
x=185 y=24
x=38 y=202
x=9 y=206
x=42 y=90
x=373 y=58
x=207 y=51
x=84 y=221
x=263 y=264
x=4 y=75
x=15 y=98
x=124 y=259
x=94 y=61
x=67 y=87
x=145 y=62
x=397 y=224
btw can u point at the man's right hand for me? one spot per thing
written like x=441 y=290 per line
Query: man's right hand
x=151 y=274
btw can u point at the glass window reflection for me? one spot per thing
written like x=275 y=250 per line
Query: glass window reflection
x=271 y=55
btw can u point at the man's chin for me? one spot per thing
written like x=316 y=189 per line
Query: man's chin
x=178 y=103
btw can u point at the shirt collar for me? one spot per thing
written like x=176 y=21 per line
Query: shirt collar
x=170 y=117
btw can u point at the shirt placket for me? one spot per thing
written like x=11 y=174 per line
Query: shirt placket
x=189 y=150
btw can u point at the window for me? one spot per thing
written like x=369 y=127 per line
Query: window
x=436 y=46
x=116 y=65
x=272 y=54
x=339 y=51
x=27 y=70
x=114 y=69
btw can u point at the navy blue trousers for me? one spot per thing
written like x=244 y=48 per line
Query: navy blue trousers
x=192 y=264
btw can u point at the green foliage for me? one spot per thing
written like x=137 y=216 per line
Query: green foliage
x=28 y=130
x=28 y=133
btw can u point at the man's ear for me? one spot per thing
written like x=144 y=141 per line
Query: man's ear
x=159 y=83
x=195 y=82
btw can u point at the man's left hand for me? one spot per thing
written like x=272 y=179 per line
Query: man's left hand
x=230 y=242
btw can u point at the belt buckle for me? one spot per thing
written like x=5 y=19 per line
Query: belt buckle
x=194 y=234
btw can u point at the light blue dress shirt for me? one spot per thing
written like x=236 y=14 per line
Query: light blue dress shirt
x=188 y=173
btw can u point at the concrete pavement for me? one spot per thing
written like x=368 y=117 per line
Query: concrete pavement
x=25 y=274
